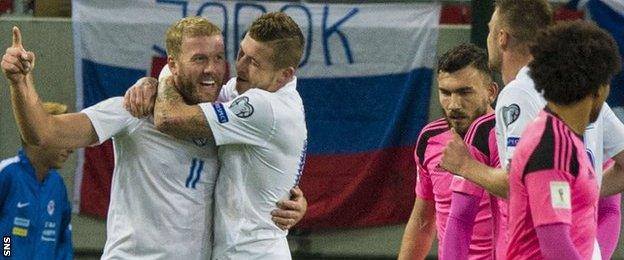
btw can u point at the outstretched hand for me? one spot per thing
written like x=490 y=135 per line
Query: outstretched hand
x=17 y=62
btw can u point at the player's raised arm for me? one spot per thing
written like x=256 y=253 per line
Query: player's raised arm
x=36 y=125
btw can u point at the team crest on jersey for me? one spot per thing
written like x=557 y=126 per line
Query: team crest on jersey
x=51 y=206
x=241 y=107
x=511 y=114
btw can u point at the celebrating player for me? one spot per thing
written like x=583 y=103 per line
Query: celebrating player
x=162 y=189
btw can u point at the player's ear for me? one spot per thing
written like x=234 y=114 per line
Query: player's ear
x=603 y=92
x=503 y=39
x=286 y=75
x=171 y=61
x=492 y=91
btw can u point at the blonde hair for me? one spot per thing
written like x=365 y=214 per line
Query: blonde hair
x=192 y=26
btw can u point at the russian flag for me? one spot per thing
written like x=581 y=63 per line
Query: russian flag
x=365 y=81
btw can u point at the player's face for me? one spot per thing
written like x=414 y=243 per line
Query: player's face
x=200 y=68
x=56 y=157
x=254 y=66
x=464 y=95
x=600 y=98
x=494 y=52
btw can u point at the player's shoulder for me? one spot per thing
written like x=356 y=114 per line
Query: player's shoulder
x=228 y=91
x=116 y=101
x=429 y=131
x=551 y=145
x=109 y=104
x=478 y=133
x=9 y=166
x=518 y=90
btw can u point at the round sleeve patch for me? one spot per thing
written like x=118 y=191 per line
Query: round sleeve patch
x=241 y=107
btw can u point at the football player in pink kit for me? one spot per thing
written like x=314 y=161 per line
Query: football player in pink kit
x=466 y=91
x=553 y=190
x=513 y=27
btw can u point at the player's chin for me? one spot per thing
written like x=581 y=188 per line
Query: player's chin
x=461 y=127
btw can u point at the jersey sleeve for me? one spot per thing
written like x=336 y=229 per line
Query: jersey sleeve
x=549 y=196
x=515 y=109
x=109 y=118
x=424 y=187
x=613 y=135
x=248 y=119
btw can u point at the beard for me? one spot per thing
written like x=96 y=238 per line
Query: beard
x=191 y=89
x=462 y=126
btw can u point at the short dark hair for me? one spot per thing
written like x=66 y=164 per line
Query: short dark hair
x=284 y=35
x=462 y=56
x=572 y=60
x=524 y=18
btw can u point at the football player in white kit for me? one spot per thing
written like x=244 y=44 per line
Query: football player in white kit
x=261 y=136
x=162 y=188
x=513 y=26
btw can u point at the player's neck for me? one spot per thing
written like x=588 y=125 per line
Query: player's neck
x=575 y=116
x=513 y=61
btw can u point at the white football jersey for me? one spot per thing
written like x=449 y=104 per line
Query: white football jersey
x=261 y=137
x=161 y=193
x=519 y=103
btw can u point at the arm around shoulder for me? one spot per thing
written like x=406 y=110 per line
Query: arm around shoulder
x=174 y=117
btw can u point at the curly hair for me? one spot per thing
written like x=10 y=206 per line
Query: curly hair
x=572 y=60
x=462 y=56
x=283 y=34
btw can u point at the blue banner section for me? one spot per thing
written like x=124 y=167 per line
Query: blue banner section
x=103 y=81
x=359 y=114
x=613 y=21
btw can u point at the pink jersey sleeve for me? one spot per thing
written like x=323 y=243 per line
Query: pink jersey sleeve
x=424 y=187
x=549 y=196
x=459 y=226
x=609 y=221
x=556 y=243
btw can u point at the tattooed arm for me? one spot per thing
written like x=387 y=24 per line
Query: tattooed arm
x=174 y=117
